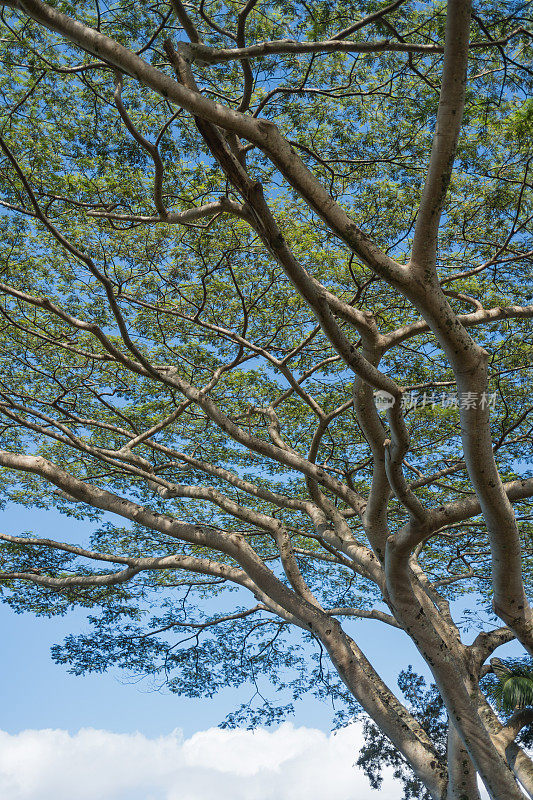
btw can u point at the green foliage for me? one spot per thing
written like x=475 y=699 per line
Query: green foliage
x=521 y=123
x=378 y=752
x=512 y=685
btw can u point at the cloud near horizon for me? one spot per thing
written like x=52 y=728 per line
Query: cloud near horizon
x=286 y=763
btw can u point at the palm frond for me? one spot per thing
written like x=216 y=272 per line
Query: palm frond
x=513 y=687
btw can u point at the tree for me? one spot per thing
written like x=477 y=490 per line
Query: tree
x=427 y=707
x=513 y=687
x=227 y=225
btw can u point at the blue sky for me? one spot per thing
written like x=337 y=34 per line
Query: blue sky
x=49 y=696
x=45 y=711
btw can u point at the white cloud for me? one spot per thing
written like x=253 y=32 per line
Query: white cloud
x=287 y=763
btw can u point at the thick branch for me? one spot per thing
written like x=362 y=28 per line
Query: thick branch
x=208 y=210
x=449 y=118
x=213 y=55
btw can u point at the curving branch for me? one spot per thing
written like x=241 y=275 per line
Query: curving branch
x=208 y=210
x=363 y=613
x=337 y=44
x=212 y=55
x=448 y=126
x=145 y=144
x=479 y=317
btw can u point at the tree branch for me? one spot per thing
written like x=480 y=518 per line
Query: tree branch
x=448 y=126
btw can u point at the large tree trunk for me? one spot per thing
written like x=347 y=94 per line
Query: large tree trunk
x=462 y=775
x=447 y=658
x=491 y=766
x=383 y=707
x=504 y=738
x=521 y=765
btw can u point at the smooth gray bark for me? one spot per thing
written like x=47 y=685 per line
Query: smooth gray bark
x=462 y=776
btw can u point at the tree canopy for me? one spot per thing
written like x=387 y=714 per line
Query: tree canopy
x=266 y=300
